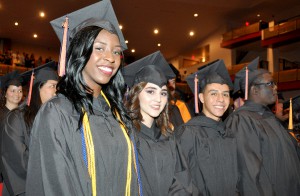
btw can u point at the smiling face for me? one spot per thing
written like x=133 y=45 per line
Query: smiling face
x=104 y=61
x=153 y=100
x=215 y=99
x=13 y=96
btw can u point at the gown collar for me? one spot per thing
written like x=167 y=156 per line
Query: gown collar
x=153 y=132
x=255 y=107
x=204 y=121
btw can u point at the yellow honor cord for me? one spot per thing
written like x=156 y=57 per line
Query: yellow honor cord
x=129 y=162
x=90 y=152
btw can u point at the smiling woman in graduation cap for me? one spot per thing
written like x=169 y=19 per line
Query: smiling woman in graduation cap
x=10 y=97
x=11 y=91
x=17 y=129
x=208 y=146
x=80 y=141
x=163 y=169
x=267 y=157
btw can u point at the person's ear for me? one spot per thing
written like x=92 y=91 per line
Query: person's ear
x=201 y=97
x=254 y=90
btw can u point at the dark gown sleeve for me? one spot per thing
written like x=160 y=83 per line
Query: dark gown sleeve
x=175 y=116
x=182 y=182
x=249 y=156
x=51 y=170
x=186 y=140
x=15 y=152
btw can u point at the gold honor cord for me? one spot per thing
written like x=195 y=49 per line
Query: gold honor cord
x=90 y=152
x=129 y=145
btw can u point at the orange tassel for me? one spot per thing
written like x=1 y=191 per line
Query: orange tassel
x=30 y=89
x=291 y=127
x=246 y=83
x=62 y=60
x=196 y=94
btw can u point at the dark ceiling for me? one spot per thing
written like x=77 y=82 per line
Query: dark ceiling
x=174 y=18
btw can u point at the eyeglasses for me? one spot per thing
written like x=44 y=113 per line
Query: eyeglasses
x=271 y=84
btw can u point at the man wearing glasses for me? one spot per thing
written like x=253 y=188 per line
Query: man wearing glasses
x=267 y=158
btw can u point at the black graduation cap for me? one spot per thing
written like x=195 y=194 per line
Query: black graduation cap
x=100 y=14
x=175 y=70
x=253 y=72
x=295 y=103
x=212 y=70
x=42 y=73
x=153 y=68
x=12 y=78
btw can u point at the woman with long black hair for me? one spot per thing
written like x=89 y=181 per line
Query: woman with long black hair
x=81 y=139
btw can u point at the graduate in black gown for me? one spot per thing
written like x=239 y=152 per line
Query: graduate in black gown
x=163 y=168
x=10 y=97
x=17 y=130
x=11 y=93
x=267 y=157
x=80 y=143
x=210 y=148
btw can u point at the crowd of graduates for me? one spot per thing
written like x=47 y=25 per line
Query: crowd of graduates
x=97 y=127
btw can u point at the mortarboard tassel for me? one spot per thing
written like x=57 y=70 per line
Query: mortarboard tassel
x=30 y=89
x=196 y=94
x=291 y=127
x=62 y=60
x=246 y=83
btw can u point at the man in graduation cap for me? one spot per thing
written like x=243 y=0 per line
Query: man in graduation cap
x=208 y=146
x=267 y=157
x=80 y=140
x=163 y=168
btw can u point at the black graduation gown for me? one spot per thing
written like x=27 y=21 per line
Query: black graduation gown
x=267 y=157
x=162 y=166
x=14 y=152
x=175 y=116
x=3 y=112
x=211 y=155
x=56 y=165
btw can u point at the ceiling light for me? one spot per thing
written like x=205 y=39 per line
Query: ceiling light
x=42 y=14
x=35 y=35
x=258 y=15
x=155 y=31
x=126 y=41
x=158 y=44
x=195 y=15
x=121 y=27
x=133 y=50
x=16 y=23
x=192 y=33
